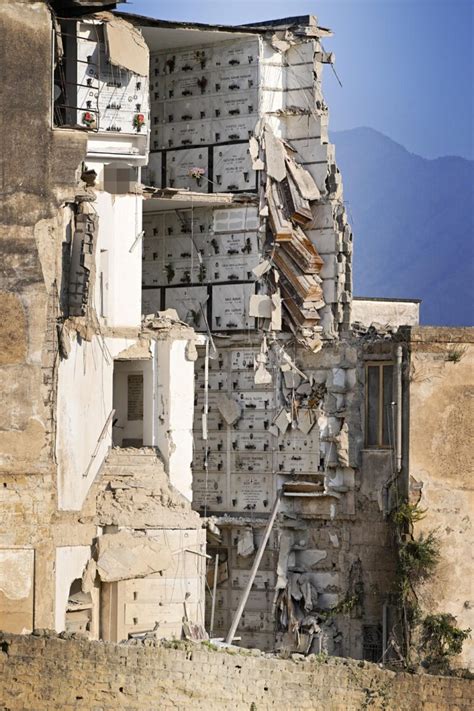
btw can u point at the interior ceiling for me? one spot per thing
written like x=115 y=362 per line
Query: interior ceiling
x=158 y=38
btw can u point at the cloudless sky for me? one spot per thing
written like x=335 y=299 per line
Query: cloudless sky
x=407 y=66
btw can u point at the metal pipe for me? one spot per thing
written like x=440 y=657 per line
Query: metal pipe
x=253 y=572
x=214 y=591
x=101 y=437
x=399 y=354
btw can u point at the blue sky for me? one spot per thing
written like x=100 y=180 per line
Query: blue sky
x=407 y=66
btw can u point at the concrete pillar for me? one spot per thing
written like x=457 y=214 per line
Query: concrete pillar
x=174 y=412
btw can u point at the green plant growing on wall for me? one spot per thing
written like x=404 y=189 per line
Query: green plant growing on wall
x=407 y=514
x=419 y=557
x=433 y=639
x=345 y=606
x=441 y=639
x=455 y=355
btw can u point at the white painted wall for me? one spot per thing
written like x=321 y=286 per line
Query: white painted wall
x=120 y=221
x=85 y=399
x=387 y=313
x=149 y=401
x=175 y=408
x=70 y=564
x=126 y=266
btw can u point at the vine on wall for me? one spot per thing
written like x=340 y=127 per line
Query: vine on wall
x=433 y=640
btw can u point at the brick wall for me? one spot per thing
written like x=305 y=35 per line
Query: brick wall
x=45 y=673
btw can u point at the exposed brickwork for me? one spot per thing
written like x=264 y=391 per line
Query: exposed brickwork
x=48 y=673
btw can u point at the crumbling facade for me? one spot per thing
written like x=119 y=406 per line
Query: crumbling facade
x=86 y=519
x=178 y=327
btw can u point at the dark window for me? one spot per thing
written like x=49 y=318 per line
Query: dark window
x=372 y=643
x=379 y=426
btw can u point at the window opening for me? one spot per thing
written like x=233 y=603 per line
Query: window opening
x=379 y=397
x=372 y=643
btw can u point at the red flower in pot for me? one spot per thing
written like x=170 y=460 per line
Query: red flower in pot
x=88 y=119
x=138 y=121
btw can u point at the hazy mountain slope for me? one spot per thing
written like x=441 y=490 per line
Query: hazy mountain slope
x=413 y=223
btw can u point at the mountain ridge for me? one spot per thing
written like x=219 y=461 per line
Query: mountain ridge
x=413 y=222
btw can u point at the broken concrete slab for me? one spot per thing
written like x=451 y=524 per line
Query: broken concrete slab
x=229 y=409
x=126 y=555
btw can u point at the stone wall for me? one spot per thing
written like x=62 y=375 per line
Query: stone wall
x=44 y=673
x=441 y=440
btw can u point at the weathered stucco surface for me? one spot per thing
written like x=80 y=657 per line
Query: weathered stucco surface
x=38 y=174
x=385 y=312
x=441 y=442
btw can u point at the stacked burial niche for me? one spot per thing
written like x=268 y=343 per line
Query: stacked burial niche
x=246 y=237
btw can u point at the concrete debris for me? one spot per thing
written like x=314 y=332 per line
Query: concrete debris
x=275 y=156
x=281 y=45
x=293 y=488
x=222 y=574
x=194 y=632
x=191 y=351
x=246 y=543
x=373 y=333
x=125 y=45
x=276 y=319
x=309 y=558
x=292 y=377
x=166 y=324
x=305 y=420
x=260 y=306
x=304 y=180
x=262 y=375
x=125 y=555
x=285 y=546
x=64 y=340
x=139 y=494
x=282 y=420
x=262 y=268
x=342 y=445
x=169 y=314
x=229 y=409
x=89 y=576
x=254 y=148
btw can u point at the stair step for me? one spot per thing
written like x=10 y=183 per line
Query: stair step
x=140 y=458
x=130 y=462
x=133 y=473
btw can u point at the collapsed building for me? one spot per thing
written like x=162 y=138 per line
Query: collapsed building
x=186 y=371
